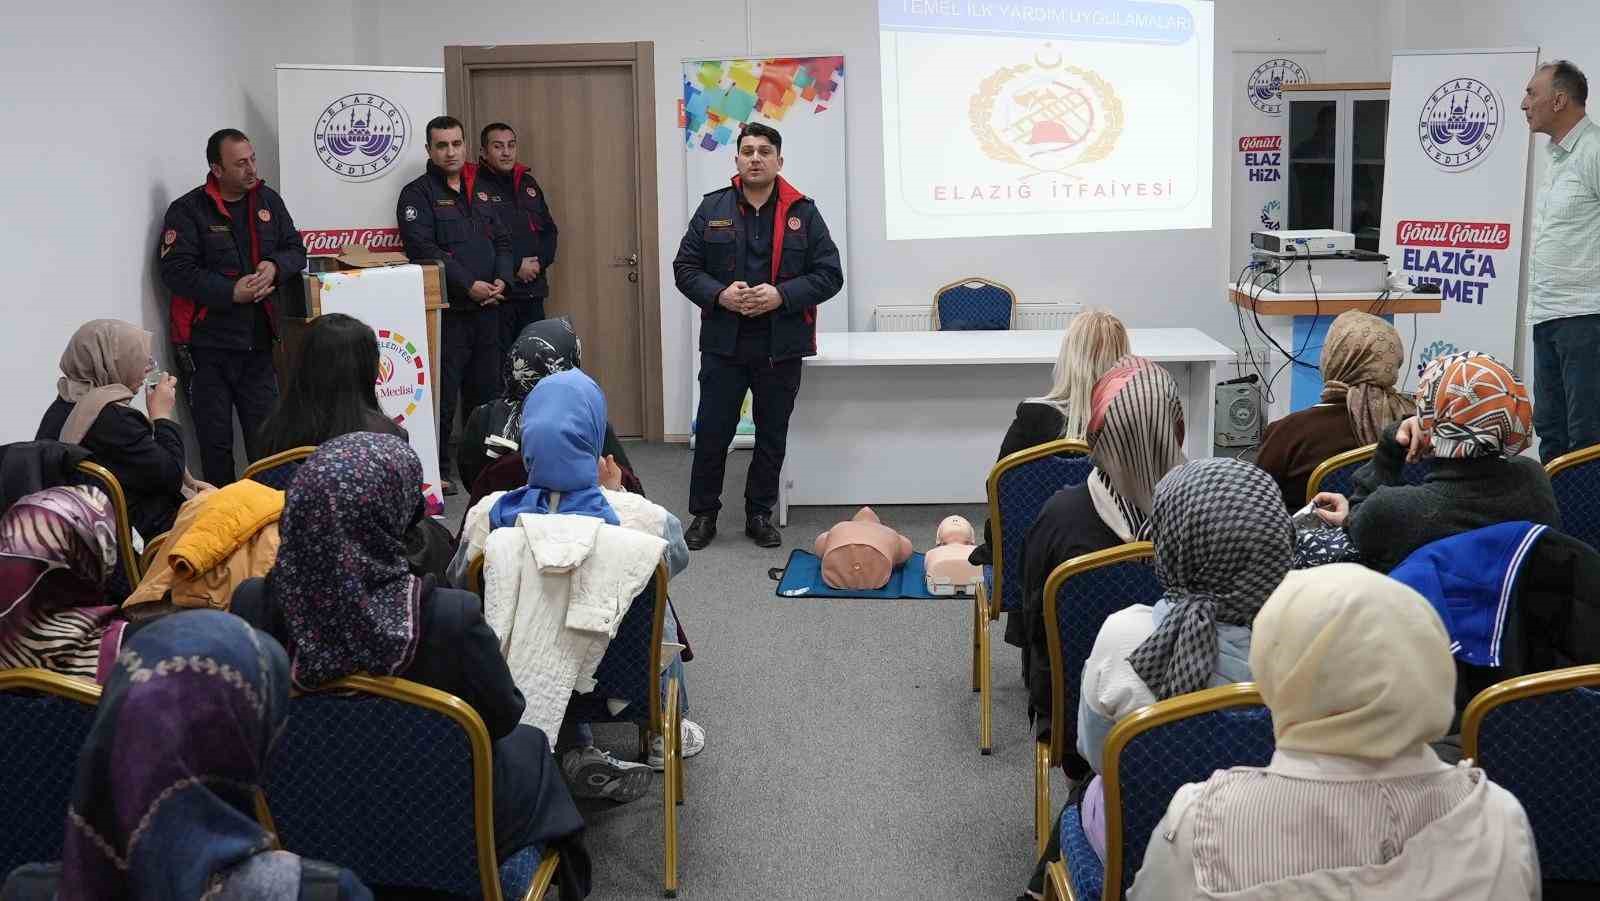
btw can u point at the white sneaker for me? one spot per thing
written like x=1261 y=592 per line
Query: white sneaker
x=694 y=741
x=593 y=773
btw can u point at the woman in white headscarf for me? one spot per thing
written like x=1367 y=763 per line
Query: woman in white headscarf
x=1357 y=672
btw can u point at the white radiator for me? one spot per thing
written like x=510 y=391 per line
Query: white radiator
x=920 y=318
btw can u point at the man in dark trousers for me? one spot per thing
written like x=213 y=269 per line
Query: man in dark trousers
x=757 y=260
x=524 y=209
x=225 y=249
x=441 y=219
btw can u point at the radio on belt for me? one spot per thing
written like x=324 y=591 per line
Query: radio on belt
x=1305 y=242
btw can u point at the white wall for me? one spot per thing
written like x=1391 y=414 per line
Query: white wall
x=109 y=107
x=1151 y=279
x=116 y=132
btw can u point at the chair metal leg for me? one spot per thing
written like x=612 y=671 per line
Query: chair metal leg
x=677 y=757
x=986 y=690
x=1057 y=887
x=669 y=800
x=1041 y=797
x=980 y=616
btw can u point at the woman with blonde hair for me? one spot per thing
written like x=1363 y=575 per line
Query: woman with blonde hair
x=1093 y=343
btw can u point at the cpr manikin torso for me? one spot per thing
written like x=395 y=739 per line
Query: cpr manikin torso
x=948 y=569
x=861 y=553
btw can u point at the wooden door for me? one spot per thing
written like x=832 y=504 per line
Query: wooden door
x=581 y=121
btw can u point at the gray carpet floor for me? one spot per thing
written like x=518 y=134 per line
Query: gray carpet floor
x=841 y=759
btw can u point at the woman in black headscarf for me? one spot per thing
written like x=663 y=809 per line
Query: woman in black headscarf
x=489 y=438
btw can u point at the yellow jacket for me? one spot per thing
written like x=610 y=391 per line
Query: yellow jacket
x=219 y=539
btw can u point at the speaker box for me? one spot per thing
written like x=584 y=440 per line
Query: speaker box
x=1238 y=415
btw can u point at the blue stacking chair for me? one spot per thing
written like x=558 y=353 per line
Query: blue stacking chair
x=1535 y=737
x=395 y=781
x=1575 y=478
x=1150 y=754
x=1337 y=473
x=44 y=719
x=621 y=676
x=1078 y=597
x=128 y=571
x=1018 y=488
x=974 y=305
x=278 y=470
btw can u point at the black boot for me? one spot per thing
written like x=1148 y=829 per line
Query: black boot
x=761 y=530
x=701 y=532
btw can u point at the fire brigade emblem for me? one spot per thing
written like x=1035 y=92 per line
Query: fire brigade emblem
x=1046 y=116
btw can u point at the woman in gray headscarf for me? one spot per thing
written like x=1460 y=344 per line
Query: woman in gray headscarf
x=1223 y=544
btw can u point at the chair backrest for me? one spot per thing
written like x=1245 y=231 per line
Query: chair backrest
x=391 y=779
x=974 y=304
x=1337 y=473
x=1078 y=597
x=1575 y=478
x=278 y=470
x=128 y=572
x=630 y=670
x=1151 y=753
x=1019 y=486
x=152 y=550
x=1535 y=737
x=44 y=719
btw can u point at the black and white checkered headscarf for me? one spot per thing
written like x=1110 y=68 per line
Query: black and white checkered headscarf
x=1223 y=543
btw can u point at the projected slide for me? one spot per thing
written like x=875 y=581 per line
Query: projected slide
x=1045 y=116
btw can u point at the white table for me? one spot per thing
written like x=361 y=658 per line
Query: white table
x=917 y=417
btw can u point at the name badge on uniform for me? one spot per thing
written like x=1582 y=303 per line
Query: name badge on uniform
x=221 y=228
x=720 y=223
x=444 y=203
x=483 y=196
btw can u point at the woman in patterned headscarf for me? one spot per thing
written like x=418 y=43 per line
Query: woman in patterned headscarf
x=1361 y=360
x=1474 y=419
x=342 y=601
x=490 y=439
x=1135 y=434
x=163 y=806
x=1223 y=544
x=57 y=547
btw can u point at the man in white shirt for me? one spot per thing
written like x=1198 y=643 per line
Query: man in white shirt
x=1564 y=293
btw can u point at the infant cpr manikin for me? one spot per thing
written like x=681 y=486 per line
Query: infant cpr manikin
x=948 y=570
x=861 y=553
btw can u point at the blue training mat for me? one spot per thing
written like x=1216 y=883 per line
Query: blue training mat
x=802 y=578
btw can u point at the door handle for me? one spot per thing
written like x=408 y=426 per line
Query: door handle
x=631 y=259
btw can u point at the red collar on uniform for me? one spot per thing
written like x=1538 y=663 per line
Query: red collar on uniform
x=214 y=191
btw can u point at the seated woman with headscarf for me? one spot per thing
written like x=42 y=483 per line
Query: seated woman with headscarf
x=491 y=434
x=1361 y=360
x=1474 y=418
x=342 y=600
x=563 y=428
x=164 y=804
x=104 y=365
x=1135 y=436
x=57 y=547
x=1357 y=671
x=1223 y=544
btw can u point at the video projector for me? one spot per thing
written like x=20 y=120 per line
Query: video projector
x=1306 y=242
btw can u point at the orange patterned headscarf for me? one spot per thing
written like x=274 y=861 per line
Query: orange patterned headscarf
x=1473 y=406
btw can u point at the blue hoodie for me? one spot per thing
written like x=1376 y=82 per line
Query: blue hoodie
x=563 y=432
x=1471 y=579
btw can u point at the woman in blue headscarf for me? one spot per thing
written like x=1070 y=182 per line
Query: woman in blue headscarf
x=164 y=802
x=563 y=437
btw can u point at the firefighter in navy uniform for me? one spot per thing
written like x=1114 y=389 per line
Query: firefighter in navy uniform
x=441 y=219
x=523 y=208
x=226 y=248
x=756 y=260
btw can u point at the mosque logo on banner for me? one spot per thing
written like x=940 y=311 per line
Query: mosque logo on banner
x=359 y=136
x=1264 y=87
x=1459 y=123
x=1045 y=116
x=402 y=376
